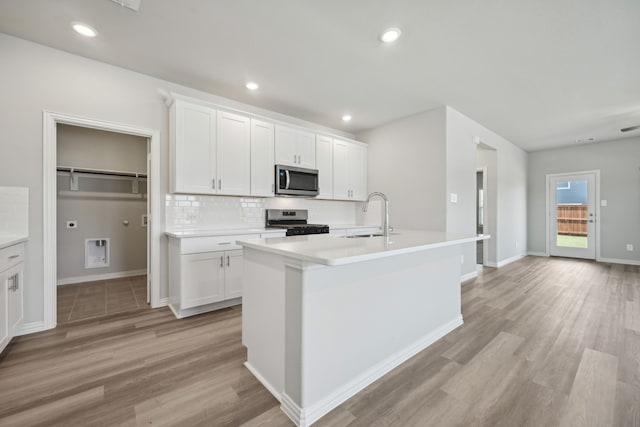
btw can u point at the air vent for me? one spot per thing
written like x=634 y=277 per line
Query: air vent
x=129 y=4
x=630 y=128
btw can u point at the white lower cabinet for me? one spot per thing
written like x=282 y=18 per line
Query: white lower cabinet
x=205 y=274
x=11 y=281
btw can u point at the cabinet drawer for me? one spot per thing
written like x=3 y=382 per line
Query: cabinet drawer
x=194 y=245
x=11 y=256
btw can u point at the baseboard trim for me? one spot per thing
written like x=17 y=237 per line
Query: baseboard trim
x=532 y=253
x=106 y=276
x=619 y=261
x=304 y=417
x=469 y=276
x=510 y=260
x=277 y=394
x=186 y=312
x=30 y=328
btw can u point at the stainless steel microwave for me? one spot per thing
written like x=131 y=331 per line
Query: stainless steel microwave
x=293 y=181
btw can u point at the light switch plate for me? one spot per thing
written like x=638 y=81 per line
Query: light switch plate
x=453 y=197
x=603 y=202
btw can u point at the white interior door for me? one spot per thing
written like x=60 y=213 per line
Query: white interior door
x=572 y=215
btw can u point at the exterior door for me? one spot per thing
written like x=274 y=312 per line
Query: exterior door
x=572 y=216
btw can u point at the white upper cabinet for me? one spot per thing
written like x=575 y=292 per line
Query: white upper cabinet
x=210 y=151
x=225 y=153
x=262 y=158
x=358 y=171
x=349 y=170
x=193 y=148
x=233 y=161
x=324 y=163
x=295 y=147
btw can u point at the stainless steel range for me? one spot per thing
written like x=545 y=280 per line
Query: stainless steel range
x=294 y=221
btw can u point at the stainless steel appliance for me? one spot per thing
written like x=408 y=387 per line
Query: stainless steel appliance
x=293 y=181
x=294 y=221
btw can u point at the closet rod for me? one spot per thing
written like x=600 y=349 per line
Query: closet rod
x=101 y=172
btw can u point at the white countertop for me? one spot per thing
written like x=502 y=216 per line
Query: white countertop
x=239 y=231
x=221 y=232
x=10 y=240
x=335 y=250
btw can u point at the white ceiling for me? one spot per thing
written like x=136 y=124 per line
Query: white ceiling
x=540 y=73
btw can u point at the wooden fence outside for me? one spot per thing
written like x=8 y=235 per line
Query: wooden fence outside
x=572 y=220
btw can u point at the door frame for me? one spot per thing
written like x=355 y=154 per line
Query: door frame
x=596 y=172
x=49 y=166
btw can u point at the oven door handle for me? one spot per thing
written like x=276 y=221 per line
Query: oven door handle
x=286 y=187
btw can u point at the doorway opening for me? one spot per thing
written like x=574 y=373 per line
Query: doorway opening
x=480 y=215
x=101 y=229
x=96 y=248
x=572 y=214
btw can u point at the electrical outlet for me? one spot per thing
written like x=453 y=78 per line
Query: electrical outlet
x=453 y=198
x=629 y=247
x=72 y=224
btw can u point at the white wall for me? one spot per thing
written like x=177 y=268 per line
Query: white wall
x=461 y=181
x=407 y=163
x=510 y=231
x=36 y=78
x=619 y=165
x=419 y=160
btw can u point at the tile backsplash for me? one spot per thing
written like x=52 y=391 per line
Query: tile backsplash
x=14 y=211
x=190 y=212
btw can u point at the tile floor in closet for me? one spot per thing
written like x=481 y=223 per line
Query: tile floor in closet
x=93 y=299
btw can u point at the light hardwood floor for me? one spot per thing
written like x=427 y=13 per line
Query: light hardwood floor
x=545 y=342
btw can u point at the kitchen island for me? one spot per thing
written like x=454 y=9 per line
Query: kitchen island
x=324 y=316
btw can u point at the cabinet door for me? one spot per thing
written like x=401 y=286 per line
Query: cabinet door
x=262 y=158
x=14 y=298
x=4 y=319
x=341 y=189
x=306 y=149
x=202 y=279
x=234 y=154
x=194 y=149
x=286 y=152
x=358 y=171
x=233 y=274
x=324 y=163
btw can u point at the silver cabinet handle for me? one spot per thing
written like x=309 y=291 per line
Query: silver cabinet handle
x=299 y=157
x=213 y=183
x=294 y=159
x=273 y=188
x=219 y=184
x=228 y=261
x=222 y=261
x=14 y=256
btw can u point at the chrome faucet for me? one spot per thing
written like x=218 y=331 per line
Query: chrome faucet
x=385 y=220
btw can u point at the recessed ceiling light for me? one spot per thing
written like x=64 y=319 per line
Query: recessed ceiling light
x=346 y=118
x=390 y=35
x=84 y=29
x=252 y=86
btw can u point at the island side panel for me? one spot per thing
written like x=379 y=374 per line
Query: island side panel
x=263 y=317
x=358 y=321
